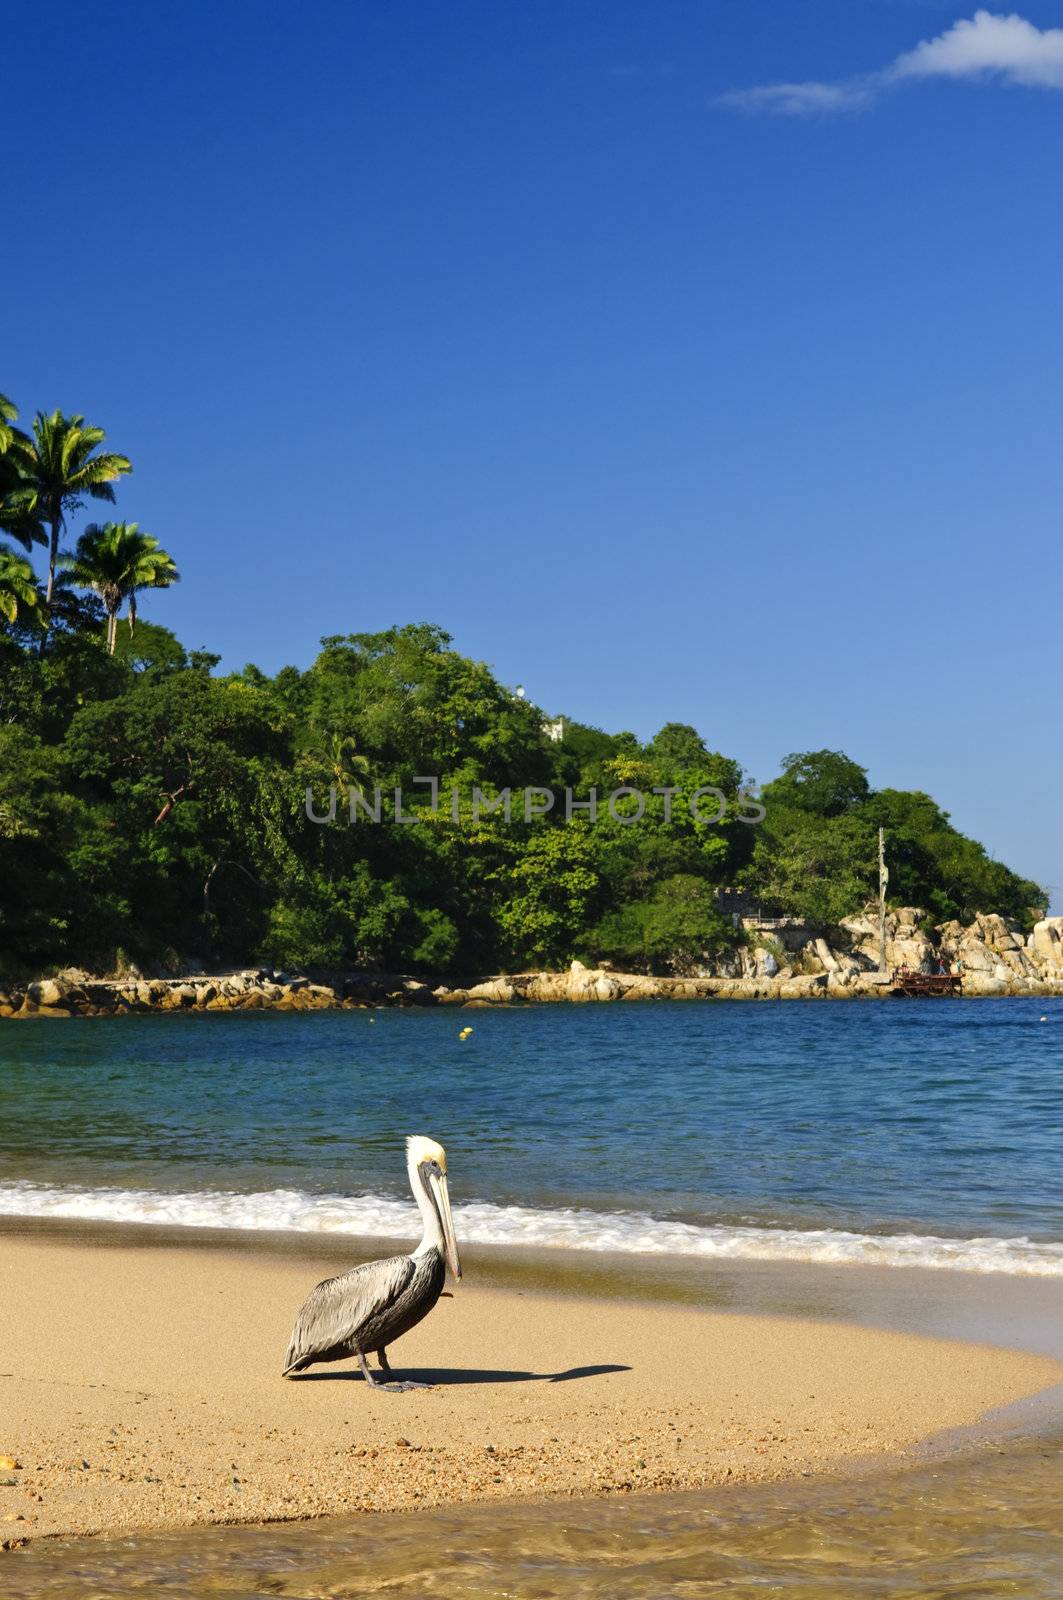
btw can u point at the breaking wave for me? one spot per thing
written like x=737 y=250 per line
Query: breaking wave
x=480 y=1222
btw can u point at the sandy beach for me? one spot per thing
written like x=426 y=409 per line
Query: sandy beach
x=140 y=1387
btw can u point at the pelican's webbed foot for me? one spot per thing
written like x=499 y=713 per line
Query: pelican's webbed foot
x=389 y=1384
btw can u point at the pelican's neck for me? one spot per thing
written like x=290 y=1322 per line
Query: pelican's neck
x=432 y=1235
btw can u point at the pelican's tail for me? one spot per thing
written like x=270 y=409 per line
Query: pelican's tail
x=295 y=1358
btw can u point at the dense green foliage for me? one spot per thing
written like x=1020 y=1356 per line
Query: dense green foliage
x=152 y=810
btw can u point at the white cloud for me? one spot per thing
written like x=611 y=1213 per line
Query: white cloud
x=799 y=99
x=986 y=45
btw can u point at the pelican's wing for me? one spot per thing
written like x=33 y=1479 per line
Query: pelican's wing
x=334 y=1311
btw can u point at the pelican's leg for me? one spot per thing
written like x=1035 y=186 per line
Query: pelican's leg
x=391 y=1384
x=371 y=1380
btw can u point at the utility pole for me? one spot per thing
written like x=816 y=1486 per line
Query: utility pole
x=883 y=880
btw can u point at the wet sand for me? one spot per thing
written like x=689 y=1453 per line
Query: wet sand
x=140 y=1387
x=986 y=1524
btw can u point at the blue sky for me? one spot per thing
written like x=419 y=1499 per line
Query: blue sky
x=668 y=389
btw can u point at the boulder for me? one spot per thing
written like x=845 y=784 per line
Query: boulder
x=872 y=985
x=807 y=987
x=976 y=956
x=638 y=986
x=908 y=916
x=984 y=983
x=415 y=993
x=499 y=991
x=826 y=955
x=591 y=984
x=47 y=992
x=1046 y=941
x=551 y=986
x=911 y=952
x=997 y=932
x=1018 y=962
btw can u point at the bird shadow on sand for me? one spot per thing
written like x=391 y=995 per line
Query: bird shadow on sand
x=446 y=1376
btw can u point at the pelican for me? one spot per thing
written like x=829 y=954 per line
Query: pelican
x=369 y=1307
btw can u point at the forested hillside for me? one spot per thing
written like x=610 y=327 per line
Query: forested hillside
x=155 y=811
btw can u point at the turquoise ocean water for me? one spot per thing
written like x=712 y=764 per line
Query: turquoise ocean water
x=922 y=1132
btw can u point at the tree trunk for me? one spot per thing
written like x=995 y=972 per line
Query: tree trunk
x=53 y=553
x=112 y=630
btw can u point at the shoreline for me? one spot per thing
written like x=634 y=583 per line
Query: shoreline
x=1021 y=1311
x=214 y=996
x=166 y=1383
x=780 y=959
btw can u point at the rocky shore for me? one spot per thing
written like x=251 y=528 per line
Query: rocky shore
x=790 y=961
x=783 y=960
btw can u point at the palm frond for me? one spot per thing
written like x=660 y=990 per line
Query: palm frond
x=18 y=586
x=8 y=413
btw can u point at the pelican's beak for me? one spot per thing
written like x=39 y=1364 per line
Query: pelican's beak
x=442 y=1204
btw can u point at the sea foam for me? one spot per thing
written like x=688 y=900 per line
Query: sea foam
x=480 y=1222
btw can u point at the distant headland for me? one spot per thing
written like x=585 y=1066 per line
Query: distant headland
x=159 y=816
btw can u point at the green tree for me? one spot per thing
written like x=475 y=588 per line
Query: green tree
x=337 y=755
x=547 y=894
x=418 y=707
x=822 y=868
x=824 y=782
x=193 y=777
x=19 y=600
x=677 y=746
x=676 y=929
x=57 y=467
x=116 y=560
x=8 y=416
x=15 y=520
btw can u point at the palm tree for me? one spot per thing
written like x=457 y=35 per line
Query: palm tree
x=14 y=520
x=57 y=468
x=338 y=754
x=115 y=559
x=18 y=586
x=8 y=413
x=341 y=754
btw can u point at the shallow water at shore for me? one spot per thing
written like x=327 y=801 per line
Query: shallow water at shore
x=988 y=1525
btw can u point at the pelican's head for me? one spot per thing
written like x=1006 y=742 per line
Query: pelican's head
x=427 y=1163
